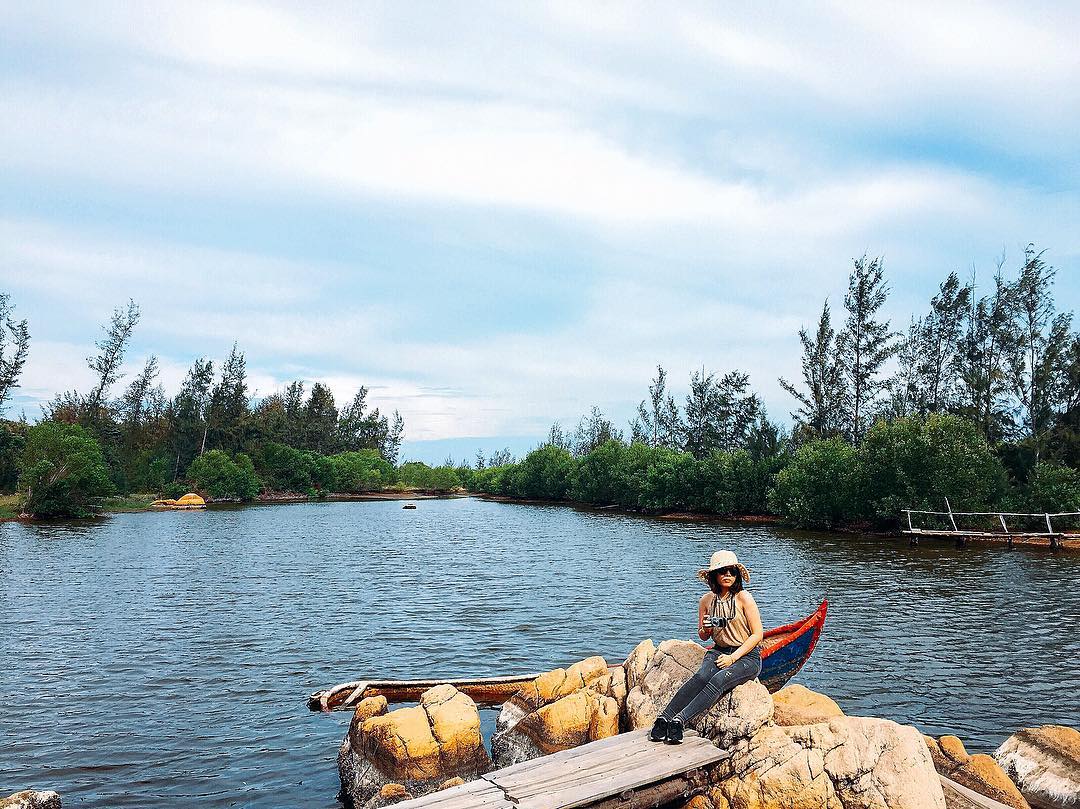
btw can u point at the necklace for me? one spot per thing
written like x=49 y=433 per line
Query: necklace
x=720 y=608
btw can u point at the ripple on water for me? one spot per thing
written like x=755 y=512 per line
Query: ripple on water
x=162 y=659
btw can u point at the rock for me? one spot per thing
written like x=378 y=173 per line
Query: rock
x=797 y=705
x=29 y=799
x=450 y=782
x=578 y=718
x=559 y=683
x=977 y=772
x=847 y=763
x=656 y=683
x=418 y=747
x=738 y=715
x=1044 y=763
x=365 y=709
x=389 y=794
x=559 y=710
x=637 y=662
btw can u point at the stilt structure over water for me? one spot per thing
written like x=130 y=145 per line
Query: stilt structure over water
x=1055 y=530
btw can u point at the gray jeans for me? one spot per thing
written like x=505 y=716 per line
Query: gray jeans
x=704 y=689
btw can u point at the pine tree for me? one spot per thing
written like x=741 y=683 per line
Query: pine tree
x=865 y=344
x=1036 y=361
x=719 y=413
x=17 y=336
x=821 y=411
x=657 y=423
x=983 y=377
x=106 y=364
x=592 y=431
x=187 y=414
x=320 y=418
x=229 y=404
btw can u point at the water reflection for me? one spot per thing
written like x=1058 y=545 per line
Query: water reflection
x=157 y=659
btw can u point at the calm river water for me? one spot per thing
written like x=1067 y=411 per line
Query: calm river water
x=158 y=660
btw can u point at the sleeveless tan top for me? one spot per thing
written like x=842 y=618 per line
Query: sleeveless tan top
x=737 y=629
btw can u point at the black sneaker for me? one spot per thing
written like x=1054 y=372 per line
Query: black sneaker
x=674 y=732
x=659 y=730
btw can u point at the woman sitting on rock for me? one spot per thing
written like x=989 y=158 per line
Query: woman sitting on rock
x=729 y=617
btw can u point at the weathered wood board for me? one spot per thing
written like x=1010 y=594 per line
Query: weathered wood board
x=581 y=776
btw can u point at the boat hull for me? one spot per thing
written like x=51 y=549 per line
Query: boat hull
x=785 y=651
x=787 y=648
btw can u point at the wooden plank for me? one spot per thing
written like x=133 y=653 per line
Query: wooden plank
x=478 y=794
x=585 y=755
x=585 y=785
x=677 y=758
x=593 y=791
x=583 y=775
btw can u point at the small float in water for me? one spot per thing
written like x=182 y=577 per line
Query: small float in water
x=188 y=501
x=409 y=505
x=784 y=650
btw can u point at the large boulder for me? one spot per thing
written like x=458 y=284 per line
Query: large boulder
x=28 y=799
x=418 y=748
x=1045 y=764
x=797 y=705
x=738 y=715
x=560 y=709
x=847 y=763
x=977 y=772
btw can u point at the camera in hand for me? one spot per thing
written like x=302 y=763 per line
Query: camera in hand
x=715 y=621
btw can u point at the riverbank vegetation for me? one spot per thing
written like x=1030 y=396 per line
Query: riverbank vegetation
x=976 y=402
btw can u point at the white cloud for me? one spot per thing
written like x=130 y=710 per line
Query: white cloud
x=709 y=171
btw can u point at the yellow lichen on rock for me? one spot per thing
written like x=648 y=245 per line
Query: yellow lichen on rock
x=420 y=747
x=553 y=685
x=401 y=742
x=797 y=705
x=455 y=724
x=977 y=772
x=365 y=709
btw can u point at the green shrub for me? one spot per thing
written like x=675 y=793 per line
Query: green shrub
x=672 y=481
x=285 y=469
x=599 y=476
x=545 y=474
x=418 y=475
x=814 y=490
x=494 y=479
x=63 y=471
x=361 y=471
x=220 y=476
x=12 y=446
x=916 y=462
x=1052 y=488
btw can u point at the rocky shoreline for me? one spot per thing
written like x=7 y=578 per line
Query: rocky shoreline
x=792 y=749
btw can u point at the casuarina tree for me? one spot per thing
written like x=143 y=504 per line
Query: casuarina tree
x=865 y=344
x=820 y=413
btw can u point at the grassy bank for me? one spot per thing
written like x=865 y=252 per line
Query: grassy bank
x=9 y=506
x=128 y=503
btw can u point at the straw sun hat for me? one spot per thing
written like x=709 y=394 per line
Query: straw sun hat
x=724 y=559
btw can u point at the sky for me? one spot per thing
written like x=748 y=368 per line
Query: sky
x=495 y=216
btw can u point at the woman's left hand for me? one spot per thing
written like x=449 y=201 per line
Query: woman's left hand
x=723 y=661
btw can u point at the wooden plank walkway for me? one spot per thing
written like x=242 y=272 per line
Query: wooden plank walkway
x=627 y=769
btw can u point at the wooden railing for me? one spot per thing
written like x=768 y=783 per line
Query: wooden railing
x=1042 y=517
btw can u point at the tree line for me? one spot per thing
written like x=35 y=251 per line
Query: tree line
x=977 y=400
x=214 y=433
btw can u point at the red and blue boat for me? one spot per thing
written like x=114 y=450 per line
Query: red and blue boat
x=785 y=650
